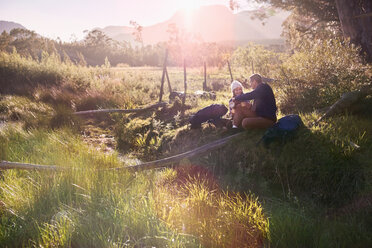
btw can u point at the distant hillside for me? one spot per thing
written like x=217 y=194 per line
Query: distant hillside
x=7 y=26
x=210 y=23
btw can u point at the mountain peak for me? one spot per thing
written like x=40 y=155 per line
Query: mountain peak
x=212 y=23
x=8 y=26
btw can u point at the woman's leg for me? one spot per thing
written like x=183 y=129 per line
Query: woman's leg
x=242 y=112
x=257 y=122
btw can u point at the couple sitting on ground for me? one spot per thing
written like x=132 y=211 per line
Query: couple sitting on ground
x=260 y=114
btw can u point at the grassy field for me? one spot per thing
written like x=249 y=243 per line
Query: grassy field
x=312 y=191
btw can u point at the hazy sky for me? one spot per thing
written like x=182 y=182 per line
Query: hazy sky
x=63 y=18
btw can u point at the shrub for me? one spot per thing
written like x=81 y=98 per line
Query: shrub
x=318 y=74
x=128 y=134
x=21 y=75
x=64 y=117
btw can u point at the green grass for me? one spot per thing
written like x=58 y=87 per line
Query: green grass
x=86 y=207
x=79 y=207
x=294 y=225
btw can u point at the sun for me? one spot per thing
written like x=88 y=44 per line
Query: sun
x=188 y=4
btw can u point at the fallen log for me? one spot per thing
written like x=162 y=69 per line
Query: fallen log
x=197 y=94
x=5 y=165
x=165 y=162
x=346 y=101
x=157 y=105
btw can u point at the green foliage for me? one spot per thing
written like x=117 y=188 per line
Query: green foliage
x=97 y=46
x=256 y=59
x=20 y=75
x=318 y=74
x=26 y=42
x=309 y=19
x=64 y=117
x=141 y=136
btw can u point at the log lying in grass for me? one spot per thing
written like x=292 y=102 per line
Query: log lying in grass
x=346 y=101
x=157 y=105
x=197 y=94
x=165 y=162
x=5 y=165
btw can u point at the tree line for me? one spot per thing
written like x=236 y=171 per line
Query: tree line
x=97 y=48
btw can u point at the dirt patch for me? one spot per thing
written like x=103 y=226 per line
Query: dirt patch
x=99 y=135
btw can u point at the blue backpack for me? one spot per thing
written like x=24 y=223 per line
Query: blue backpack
x=283 y=130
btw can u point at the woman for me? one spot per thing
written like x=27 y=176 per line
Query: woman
x=239 y=109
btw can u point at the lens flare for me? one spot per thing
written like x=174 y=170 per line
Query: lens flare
x=188 y=4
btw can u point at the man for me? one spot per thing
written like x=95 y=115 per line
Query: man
x=264 y=105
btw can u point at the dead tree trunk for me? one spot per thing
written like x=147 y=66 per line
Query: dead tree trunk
x=346 y=101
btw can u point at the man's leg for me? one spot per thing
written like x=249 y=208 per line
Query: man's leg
x=257 y=122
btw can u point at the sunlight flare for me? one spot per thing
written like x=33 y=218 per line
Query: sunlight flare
x=188 y=4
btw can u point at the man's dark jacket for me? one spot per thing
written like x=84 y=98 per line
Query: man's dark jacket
x=264 y=101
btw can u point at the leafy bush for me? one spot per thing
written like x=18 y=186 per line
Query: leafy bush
x=127 y=132
x=318 y=74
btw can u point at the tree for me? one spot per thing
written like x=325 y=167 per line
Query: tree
x=138 y=32
x=5 y=40
x=29 y=43
x=97 y=38
x=356 y=22
x=298 y=29
x=233 y=5
x=353 y=16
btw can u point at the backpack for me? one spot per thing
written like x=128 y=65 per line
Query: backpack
x=213 y=112
x=283 y=130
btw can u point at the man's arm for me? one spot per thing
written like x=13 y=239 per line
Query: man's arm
x=248 y=96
